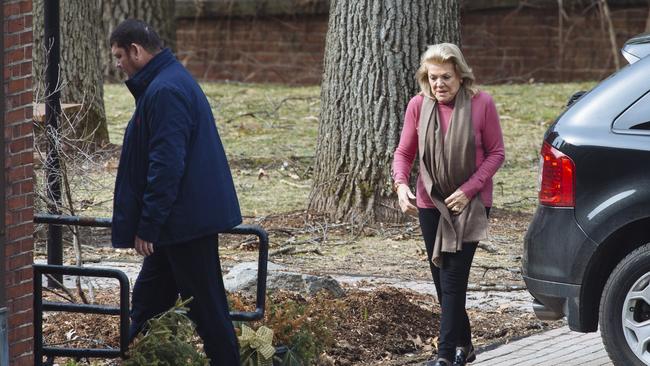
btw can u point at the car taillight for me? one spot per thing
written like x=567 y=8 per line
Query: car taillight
x=557 y=178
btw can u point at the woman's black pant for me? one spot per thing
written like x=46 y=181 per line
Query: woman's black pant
x=451 y=286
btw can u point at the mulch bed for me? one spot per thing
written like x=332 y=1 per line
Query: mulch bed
x=363 y=328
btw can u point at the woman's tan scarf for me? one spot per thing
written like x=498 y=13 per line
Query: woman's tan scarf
x=445 y=164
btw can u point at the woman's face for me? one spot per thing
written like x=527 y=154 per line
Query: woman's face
x=444 y=81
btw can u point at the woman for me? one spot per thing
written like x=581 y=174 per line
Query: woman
x=454 y=131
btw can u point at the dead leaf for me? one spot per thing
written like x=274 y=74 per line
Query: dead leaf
x=71 y=335
x=261 y=174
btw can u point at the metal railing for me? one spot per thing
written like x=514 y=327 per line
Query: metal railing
x=40 y=306
x=4 y=344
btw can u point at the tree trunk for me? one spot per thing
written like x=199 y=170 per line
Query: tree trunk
x=647 y=20
x=80 y=70
x=157 y=13
x=372 y=53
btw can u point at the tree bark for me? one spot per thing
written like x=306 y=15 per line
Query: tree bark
x=157 y=13
x=372 y=53
x=647 y=20
x=80 y=70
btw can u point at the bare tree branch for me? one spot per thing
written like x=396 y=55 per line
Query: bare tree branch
x=604 y=11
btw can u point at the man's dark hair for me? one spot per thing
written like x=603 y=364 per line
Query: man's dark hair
x=138 y=32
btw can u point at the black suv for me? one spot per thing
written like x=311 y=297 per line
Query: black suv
x=587 y=249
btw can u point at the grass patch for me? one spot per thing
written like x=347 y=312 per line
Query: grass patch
x=269 y=128
x=267 y=122
x=273 y=128
x=526 y=111
x=119 y=105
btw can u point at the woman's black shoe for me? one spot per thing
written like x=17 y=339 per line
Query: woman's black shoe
x=438 y=362
x=462 y=358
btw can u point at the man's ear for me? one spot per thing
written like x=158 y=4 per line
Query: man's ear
x=136 y=50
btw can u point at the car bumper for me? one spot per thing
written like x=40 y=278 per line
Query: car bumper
x=554 y=300
x=556 y=253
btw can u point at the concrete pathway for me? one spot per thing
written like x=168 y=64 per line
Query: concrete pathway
x=555 y=347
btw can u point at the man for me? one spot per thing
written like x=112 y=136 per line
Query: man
x=173 y=192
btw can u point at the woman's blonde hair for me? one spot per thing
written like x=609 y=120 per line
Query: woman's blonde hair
x=439 y=54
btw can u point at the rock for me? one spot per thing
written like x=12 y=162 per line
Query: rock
x=316 y=284
x=243 y=278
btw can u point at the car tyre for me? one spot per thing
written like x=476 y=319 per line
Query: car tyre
x=626 y=335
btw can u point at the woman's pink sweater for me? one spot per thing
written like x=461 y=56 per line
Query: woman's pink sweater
x=490 y=152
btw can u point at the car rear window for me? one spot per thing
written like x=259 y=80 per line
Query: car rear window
x=636 y=118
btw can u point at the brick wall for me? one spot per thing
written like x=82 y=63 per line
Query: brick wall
x=519 y=45
x=502 y=44
x=18 y=173
x=278 y=49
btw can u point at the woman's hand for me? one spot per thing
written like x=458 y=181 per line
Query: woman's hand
x=406 y=200
x=457 y=202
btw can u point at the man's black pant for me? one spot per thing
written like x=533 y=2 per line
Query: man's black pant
x=193 y=270
x=451 y=286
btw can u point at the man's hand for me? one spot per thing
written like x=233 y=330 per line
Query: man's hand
x=457 y=202
x=406 y=198
x=143 y=248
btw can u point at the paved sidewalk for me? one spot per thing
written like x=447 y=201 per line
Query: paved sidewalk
x=556 y=347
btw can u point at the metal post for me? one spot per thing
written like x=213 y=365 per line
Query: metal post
x=4 y=346
x=52 y=112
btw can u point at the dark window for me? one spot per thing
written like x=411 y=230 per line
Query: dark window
x=641 y=126
x=636 y=117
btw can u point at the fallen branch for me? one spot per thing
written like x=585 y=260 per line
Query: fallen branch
x=268 y=113
x=487 y=247
x=488 y=267
x=92 y=260
x=58 y=294
x=307 y=250
x=61 y=287
x=242 y=244
x=280 y=231
x=248 y=114
x=293 y=250
x=496 y=288
x=315 y=240
x=78 y=339
x=301 y=186
x=512 y=203
x=284 y=250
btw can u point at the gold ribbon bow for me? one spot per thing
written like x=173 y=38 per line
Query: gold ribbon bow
x=260 y=341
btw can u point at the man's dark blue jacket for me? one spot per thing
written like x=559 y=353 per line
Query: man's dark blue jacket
x=173 y=182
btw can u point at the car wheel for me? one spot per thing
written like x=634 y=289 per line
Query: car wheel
x=625 y=310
